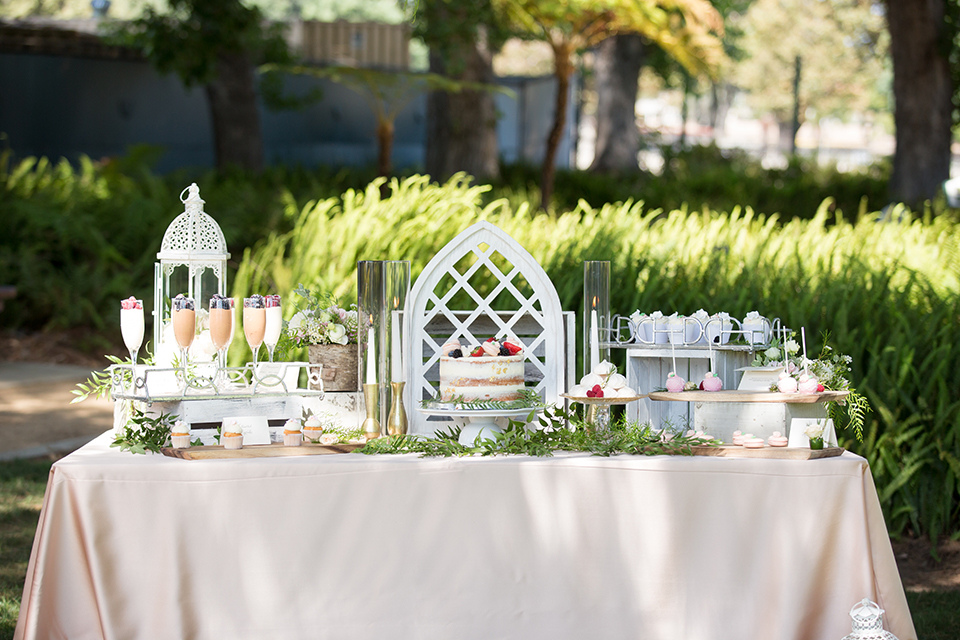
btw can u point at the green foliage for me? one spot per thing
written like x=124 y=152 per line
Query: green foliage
x=936 y=614
x=552 y=435
x=143 y=433
x=887 y=292
x=81 y=239
x=190 y=36
x=529 y=399
x=706 y=176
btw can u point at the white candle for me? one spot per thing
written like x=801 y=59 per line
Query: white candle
x=371 y=358
x=396 y=361
x=594 y=341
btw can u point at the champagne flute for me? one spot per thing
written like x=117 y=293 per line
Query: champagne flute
x=221 y=327
x=184 y=316
x=131 y=327
x=274 y=324
x=254 y=323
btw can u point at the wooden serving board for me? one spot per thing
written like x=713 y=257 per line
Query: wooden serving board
x=217 y=452
x=773 y=453
x=734 y=395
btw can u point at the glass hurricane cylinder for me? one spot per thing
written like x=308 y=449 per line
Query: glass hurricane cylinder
x=371 y=338
x=396 y=287
x=596 y=313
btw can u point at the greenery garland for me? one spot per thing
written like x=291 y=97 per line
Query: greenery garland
x=529 y=399
x=552 y=435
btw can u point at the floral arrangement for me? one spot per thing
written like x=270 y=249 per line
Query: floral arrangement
x=320 y=320
x=829 y=371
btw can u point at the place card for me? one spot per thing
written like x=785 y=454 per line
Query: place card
x=255 y=429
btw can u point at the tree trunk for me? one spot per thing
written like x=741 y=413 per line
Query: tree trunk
x=462 y=127
x=922 y=93
x=237 y=139
x=384 y=148
x=618 y=63
x=563 y=69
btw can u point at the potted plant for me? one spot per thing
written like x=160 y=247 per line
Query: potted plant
x=330 y=334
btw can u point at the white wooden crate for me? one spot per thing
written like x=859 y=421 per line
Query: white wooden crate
x=648 y=367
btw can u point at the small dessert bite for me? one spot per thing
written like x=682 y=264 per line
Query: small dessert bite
x=231 y=436
x=752 y=442
x=808 y=384
x=312 y=429
x=711 y=382
x=675 y=384
x=787 y=383
x=292 y=435
x=180 y=435
x=777 y=440
x=738 y=438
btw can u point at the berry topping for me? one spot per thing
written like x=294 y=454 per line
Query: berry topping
x=512 y=348
x=820 y=388
x=701 y=386
x=489 y=340
x=456 y=353
x=476 y=353
x=504 y=351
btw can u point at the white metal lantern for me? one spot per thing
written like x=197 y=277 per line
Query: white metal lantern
x=867 y=619
x=192 y=260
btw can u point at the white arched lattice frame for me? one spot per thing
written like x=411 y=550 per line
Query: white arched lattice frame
x=545 y=352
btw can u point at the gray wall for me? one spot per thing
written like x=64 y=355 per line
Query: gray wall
x=63 y=107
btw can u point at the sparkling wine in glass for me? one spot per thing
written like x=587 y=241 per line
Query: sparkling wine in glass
x=274 y=324
x=221 y=326
x=254 y=323
x=131 y=327
x=184 y=316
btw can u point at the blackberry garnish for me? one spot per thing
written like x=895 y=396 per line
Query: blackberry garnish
x=504 y=351
x=456 y=353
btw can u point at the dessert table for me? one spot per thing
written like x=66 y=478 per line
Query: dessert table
x=354 y=546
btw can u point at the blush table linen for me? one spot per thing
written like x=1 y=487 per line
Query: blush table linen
x=354 y=546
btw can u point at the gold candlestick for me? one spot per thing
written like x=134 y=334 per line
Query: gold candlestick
x=371 y=427
x=397 y=420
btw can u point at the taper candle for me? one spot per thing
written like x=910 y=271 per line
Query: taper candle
x=371 y=358
x=396 y=362
x=594 y=339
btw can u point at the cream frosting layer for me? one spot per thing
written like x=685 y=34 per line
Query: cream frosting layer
x=484 y=378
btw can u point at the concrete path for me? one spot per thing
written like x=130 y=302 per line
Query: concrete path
x=36 y=416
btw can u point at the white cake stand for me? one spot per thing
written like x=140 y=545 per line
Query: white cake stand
x=480 y=422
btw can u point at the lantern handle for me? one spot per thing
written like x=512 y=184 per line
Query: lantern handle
x=194 y=193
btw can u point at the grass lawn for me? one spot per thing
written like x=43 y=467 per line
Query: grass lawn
x=22 y=483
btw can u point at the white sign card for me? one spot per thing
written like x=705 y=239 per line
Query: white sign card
x=255 y=429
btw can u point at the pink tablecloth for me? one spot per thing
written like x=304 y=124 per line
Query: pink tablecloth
x=350 y=546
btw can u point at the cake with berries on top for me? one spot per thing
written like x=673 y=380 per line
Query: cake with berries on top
x=491 y=371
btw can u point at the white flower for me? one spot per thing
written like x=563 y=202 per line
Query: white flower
x=297 y=319
x=792 y=346
x=329 y=438
x=753 y=315
x=815 y=430
x=337 y=334
x=772 y=353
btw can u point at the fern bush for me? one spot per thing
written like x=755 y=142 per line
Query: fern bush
x=77 y=239
x=886 y=292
